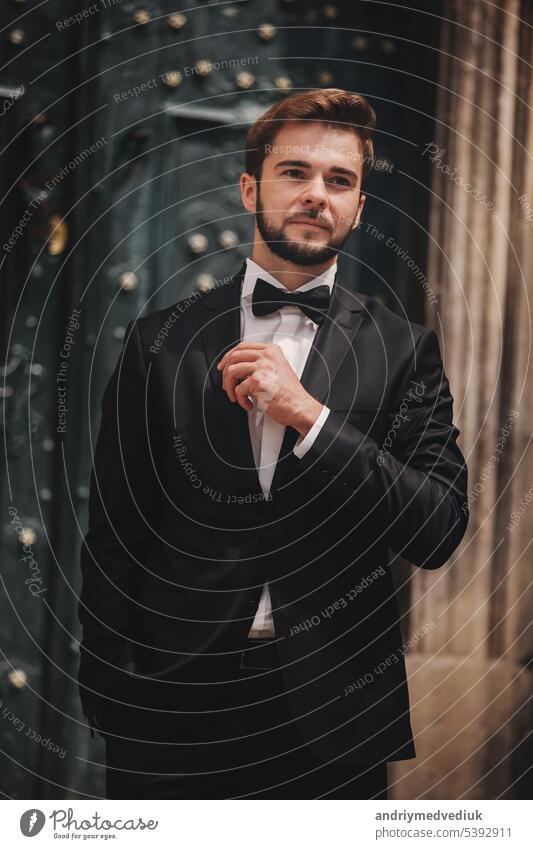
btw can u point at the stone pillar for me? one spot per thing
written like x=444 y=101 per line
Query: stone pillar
x=468 y=675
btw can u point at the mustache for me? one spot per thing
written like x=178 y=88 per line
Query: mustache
x=312 y=218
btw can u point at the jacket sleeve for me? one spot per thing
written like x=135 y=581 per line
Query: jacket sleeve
x=412 y=489
x=121 y=503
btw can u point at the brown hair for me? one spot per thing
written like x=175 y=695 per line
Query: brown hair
x=332 y=106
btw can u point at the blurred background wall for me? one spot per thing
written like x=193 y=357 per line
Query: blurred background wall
x=122 y=135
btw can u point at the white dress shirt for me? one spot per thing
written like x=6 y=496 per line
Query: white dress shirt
x=294 y=332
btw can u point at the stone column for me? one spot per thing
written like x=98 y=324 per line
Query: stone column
x=468 y=675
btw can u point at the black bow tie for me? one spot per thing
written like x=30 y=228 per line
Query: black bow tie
x=267 y=298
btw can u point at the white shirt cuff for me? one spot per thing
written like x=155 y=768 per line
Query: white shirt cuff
x=303 y=444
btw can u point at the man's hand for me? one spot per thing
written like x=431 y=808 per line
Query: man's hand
x=262 y=371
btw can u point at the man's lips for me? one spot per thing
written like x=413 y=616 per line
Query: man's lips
x=309 y=223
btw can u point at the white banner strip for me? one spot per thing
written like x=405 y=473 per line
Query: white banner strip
x=256 y=824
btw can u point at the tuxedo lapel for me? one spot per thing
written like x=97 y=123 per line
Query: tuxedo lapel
x=220 y=325
x=332 y=342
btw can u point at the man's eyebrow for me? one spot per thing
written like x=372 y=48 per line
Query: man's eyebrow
x=338 y=169
x=300 y=163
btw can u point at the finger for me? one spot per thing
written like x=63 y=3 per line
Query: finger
x=230 y=378
x=272 y=351
x=245 y=345
x=244 y=355
x=235 y=352
x=242 y=391
x=233 y=373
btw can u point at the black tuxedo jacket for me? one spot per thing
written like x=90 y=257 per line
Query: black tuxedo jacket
x=181 y=539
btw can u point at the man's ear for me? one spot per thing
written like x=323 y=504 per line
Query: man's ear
x=248 y=192
x=362 y=199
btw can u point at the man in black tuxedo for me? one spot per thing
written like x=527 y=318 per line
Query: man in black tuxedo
x=262 y=447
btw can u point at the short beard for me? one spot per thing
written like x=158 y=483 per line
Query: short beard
x=301 y=253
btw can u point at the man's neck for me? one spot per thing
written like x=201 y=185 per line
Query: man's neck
x=291 y=275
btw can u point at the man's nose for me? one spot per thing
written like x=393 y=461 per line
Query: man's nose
x=315 y=192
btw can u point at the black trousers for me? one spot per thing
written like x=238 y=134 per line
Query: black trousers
x=224 y=740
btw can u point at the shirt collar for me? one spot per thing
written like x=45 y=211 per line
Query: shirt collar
x=253 y=271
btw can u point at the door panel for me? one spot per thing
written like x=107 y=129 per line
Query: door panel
x=122 y=159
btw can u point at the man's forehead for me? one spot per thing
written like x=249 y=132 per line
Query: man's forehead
x=313 y=145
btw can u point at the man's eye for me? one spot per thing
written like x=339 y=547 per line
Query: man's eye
x=294 y=172
x=341 y=181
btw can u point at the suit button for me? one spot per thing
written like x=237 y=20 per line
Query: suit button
x=343 y=485
x=324 y=474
